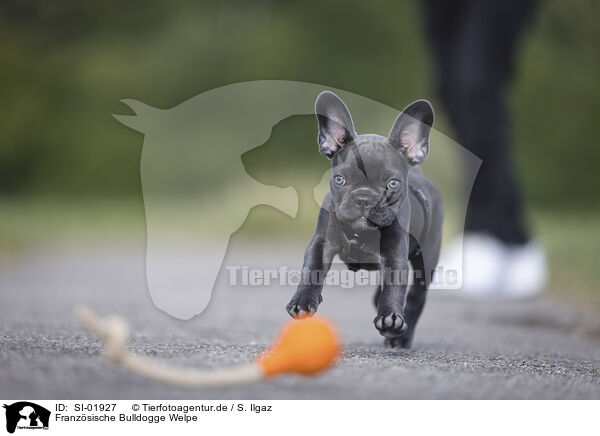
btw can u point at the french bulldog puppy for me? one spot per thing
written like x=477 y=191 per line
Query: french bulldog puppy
x=380 y=213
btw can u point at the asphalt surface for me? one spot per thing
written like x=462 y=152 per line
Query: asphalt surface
x=540 y=349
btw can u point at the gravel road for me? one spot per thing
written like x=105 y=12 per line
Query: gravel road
x=540 y=349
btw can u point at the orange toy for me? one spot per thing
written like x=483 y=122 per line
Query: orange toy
x=305 y=346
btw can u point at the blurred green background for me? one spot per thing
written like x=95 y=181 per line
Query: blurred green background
x=70 y=172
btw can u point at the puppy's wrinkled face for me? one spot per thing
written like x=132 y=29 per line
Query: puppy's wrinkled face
x=368 y=178
x=369 y=173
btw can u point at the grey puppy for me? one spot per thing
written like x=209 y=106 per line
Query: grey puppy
x=380 y=213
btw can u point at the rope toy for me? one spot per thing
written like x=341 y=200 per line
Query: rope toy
x=306 y=346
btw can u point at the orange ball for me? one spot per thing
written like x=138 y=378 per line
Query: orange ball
x=306 y=346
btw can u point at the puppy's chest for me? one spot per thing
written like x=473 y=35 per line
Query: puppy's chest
x=358 y=250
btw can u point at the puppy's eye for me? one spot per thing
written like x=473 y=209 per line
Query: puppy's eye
x=393 y=184
x=339 y=180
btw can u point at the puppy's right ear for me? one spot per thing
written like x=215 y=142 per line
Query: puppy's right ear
x=336 y=128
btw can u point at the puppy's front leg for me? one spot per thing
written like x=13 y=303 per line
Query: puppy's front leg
x=317 y=261
x=390 y=319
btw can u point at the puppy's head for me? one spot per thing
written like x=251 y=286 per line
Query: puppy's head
x=369 y=173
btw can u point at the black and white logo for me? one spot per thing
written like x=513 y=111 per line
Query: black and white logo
x=26 y=415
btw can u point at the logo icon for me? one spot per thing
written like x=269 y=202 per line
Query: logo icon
x=26 y=415
x=195 y=184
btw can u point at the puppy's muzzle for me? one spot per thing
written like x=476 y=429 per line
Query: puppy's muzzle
x=364 y=198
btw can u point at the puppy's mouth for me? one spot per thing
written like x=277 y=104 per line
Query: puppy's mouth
x=371 y=219
x=363 y=223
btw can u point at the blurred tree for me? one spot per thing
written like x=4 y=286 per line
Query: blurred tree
x=66 y=65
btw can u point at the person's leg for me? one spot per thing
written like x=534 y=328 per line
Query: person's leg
x=442 y=20
x=483 y=65
x=474 y=42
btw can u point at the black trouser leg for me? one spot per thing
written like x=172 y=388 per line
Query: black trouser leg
x=474 y=43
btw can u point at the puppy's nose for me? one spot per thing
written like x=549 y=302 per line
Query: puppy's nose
x=363 y=200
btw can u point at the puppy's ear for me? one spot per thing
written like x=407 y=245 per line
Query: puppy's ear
x=410 y=133
x=336 y=128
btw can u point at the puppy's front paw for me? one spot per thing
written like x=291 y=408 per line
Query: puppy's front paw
x=390 y=325
x=303 y=305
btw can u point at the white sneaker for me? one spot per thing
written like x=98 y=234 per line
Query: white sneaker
x=491 y=269
x=526 y=271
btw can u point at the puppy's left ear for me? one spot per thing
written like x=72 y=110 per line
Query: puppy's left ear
x=410 y=133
